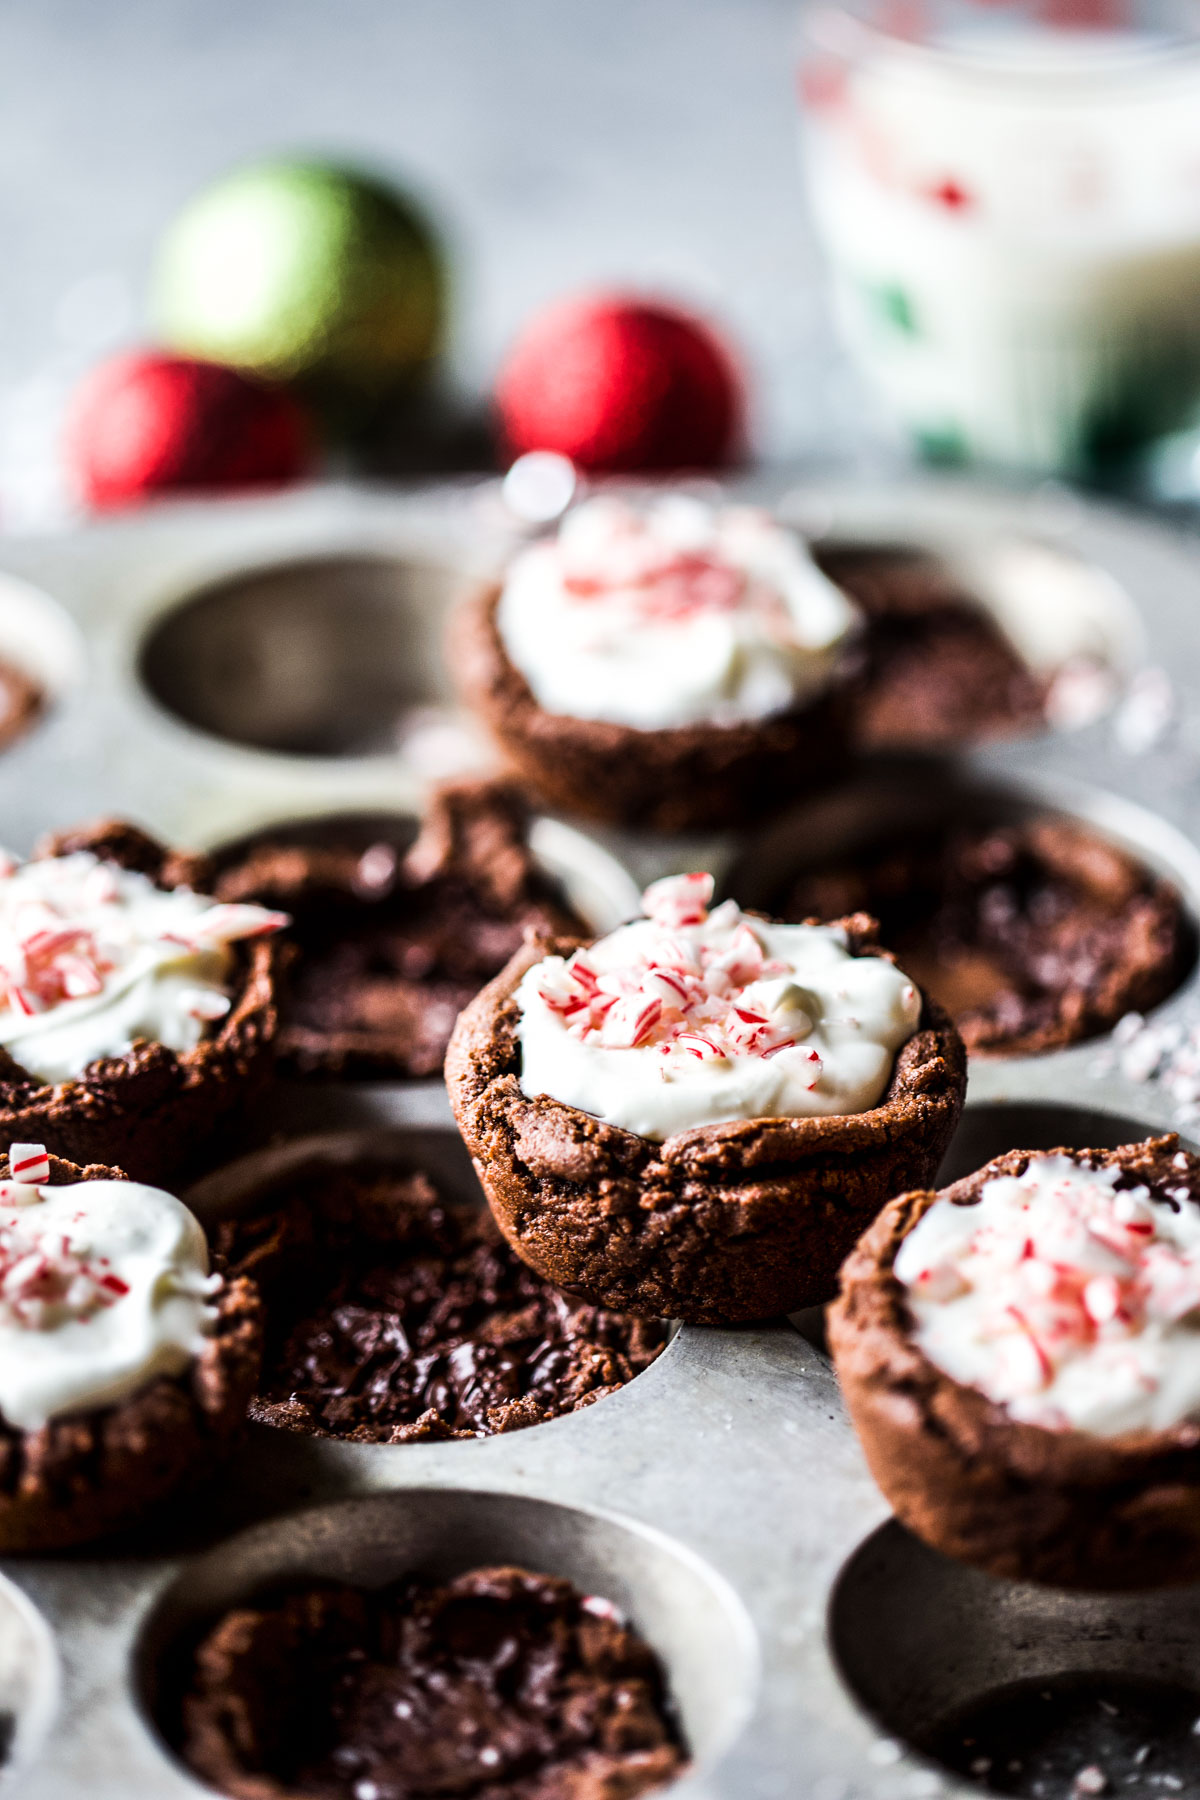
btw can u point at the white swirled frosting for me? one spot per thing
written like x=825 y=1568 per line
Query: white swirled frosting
x=1067 y=1300
x=103 y=1286
x=689 y=1017
x=93 y=957
x=671 y=614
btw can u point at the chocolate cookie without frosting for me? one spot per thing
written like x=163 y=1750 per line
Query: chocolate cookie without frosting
x=935 y=669
x=1021 y=1500
x=152 y=1110
x=92 y=1470
x=713 y=1224
x=1032 y=936
x=390 y=943
x=496 y=1685
x=394 y=1316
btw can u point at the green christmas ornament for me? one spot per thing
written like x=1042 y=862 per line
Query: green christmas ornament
x=304 y=272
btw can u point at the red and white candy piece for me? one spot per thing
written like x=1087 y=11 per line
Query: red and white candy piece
x=694 y=995
x=679 y=899
x=228 y=922
x=1068 y=1265
x=28 y=1164
x=44 y=1283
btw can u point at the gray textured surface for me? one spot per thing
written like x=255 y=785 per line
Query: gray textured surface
x=562 y=144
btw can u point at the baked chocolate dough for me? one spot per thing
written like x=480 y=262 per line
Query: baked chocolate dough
x=390 y=945
x=936 y=670
x=22 y=703
x=1032 y=936
x=393 y=1316
x=498 y=1685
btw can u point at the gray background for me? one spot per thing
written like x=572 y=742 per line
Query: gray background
x=561 y=143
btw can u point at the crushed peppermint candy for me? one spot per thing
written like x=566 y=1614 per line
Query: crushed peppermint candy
x=671 y=612
x=104 y=1285
x=44 y=1283
x=1090 y=1780
x=739 y=1017
x=1166 y=1052
x=600 y=1608
x=93 y=956
x=28 y=1163
x=707 y=1000
x=1068 y=1298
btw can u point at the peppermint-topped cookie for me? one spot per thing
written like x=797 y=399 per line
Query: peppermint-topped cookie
x=136 y=1012
x=689 y=1017
x=103 y=1285
x=124 y=1363
x=1067 y=1295
x=694 y=1116
x=1020 y=1354
x=668 y=663
x=94 y=957
x=674 y=613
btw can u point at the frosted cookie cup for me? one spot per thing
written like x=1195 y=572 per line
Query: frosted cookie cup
x=125 y=1367
x=675 y=667
x=695 y=1116
x=136 y=1015
x=1021 y=1361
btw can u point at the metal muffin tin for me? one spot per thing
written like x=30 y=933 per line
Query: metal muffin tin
x=720 y=1499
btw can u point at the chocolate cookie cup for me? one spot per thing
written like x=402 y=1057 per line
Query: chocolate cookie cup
x=151 y=1110
x=717 y=1224
x=1033 y=934
x=679 y=778
x=389 y=939
x=1064 y=1506
x=396 y=1313
x=89 y=1472
x=498 y=1684
x=936 y=671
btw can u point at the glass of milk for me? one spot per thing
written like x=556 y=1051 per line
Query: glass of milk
x=1009 y=198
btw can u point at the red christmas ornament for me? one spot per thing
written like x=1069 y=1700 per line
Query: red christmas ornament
x=621 y=385
x=149 y=423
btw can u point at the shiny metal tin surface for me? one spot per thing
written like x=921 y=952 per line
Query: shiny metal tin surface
x=720 y=1498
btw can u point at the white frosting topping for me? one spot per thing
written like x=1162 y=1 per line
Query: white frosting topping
x=1068 y=1301
x=689 y=1017
x=671 y=614
x=93 y=957
x=103 y=1286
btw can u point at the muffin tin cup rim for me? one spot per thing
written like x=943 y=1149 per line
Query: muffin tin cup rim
x=316 y=1530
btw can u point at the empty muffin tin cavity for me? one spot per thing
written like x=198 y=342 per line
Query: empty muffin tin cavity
x=333 y=656
x=680 y=1607
x=453 y=1337
x=1037 y=914
x=1025 y=1690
